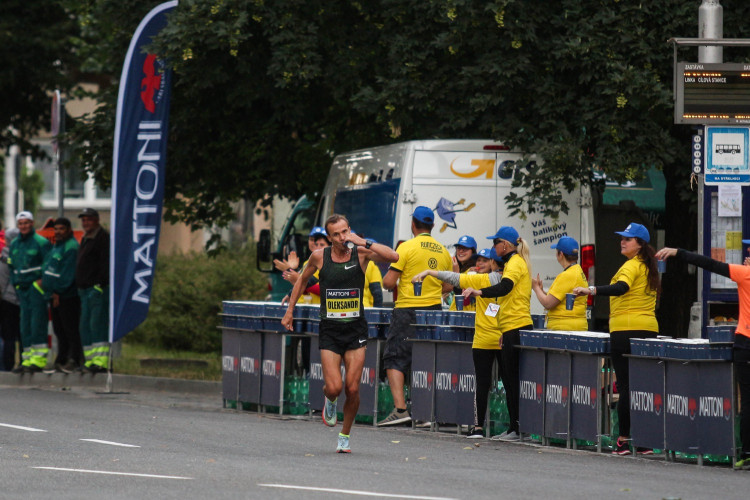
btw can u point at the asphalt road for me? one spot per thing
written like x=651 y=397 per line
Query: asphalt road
x=78 y=444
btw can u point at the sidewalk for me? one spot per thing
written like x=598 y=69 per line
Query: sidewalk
x=119 y=383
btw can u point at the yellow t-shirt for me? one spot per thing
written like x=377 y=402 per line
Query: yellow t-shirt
x=314 y=299
x=559 y=318
x=635 y=309
x=515 y=308
x=486 y=328
x=372 y=275
x=467 y=306
x=414 y=256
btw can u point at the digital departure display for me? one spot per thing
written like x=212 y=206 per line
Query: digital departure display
x=707 y=94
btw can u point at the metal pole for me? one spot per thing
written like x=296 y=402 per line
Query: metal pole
x=710 y=25
x=60 y=171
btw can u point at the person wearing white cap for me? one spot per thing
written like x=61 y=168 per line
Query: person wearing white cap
x=632 y=293
x=27 y=255
x=559 y=317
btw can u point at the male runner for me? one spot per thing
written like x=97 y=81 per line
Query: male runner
x=343 y=329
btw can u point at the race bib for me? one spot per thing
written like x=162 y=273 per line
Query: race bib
x=492 y=309
x=343 y=303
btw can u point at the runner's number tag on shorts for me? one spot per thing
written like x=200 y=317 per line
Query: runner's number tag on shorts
x=342 y=303
x=492 y=309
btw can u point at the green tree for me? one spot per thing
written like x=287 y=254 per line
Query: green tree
x=36 y=58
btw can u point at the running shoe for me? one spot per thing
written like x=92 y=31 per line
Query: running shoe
x=622 y=447
x=343 y=446
x=329 y=412
x=643 y=451
x=396 y=417
x=743 y=464
x=475 y=433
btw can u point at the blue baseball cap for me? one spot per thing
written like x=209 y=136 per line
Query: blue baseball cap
x=467 y=242
x=494 y=256
x=486 y=253
x=635 y=231
x=506 y=233
x=567 y=245
x=317 y=230
x=746 y=242
x=424 y=215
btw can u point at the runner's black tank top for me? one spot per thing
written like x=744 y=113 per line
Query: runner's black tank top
x=341 y=288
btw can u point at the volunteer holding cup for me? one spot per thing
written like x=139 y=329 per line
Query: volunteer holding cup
x=485 y=348
x=565 y=311
x=632 y=291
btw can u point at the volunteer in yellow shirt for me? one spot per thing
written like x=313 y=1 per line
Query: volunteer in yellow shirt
x=464 y=262
x=558 y=315
x=514 y=293
x=632 y=291
x=373 y=296
x=485 y=348
x=421 y=252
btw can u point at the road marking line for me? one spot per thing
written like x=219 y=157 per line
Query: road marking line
x=112 y=473
x=22 y=428
x=111 y=443
x=353 y=492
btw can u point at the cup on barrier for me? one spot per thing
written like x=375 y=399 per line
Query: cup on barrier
x=459 y=302
x=661 y=266
x=417 y=288
x=570 y=299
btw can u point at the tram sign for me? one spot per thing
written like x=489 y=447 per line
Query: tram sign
x=712 y=94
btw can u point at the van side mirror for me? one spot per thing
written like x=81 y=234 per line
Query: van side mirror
x=263 y=247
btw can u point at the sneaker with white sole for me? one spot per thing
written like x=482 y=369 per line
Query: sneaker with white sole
x=329 y=412
x=622 y=447
x=499 y=437
x=396 y=417
x=475 y=433
x=510 y=436
x=343 y=446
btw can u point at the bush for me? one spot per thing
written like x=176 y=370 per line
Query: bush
x=187 y=296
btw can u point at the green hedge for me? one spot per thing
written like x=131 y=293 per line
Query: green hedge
x=187 y=296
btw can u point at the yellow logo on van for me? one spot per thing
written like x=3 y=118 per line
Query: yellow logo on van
x=482 y=167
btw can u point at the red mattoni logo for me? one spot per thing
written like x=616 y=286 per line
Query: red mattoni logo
x=271 y=368
x=229 y=363
x=368 y=377
x=421 y=379
x=557 y=394
x=152 y=83
x=249 y=365
x=714 y=407
x=682 y=406
x=583 y=395
x=316 y=371
x=531 y=390
x=658 y=403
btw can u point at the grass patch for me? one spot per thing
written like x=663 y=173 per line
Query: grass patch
x=129 y=363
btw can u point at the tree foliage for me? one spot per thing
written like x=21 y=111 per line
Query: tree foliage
x=265 y=92
x=36 y=58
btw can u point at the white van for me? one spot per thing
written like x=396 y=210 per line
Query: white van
x=465 y=182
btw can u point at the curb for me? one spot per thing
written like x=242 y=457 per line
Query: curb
x=119 y=383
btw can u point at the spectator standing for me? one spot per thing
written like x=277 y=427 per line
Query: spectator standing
x=419 y=253
x=92 y=280
x=58 y=281
x=27 y=255
x=10 y=313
